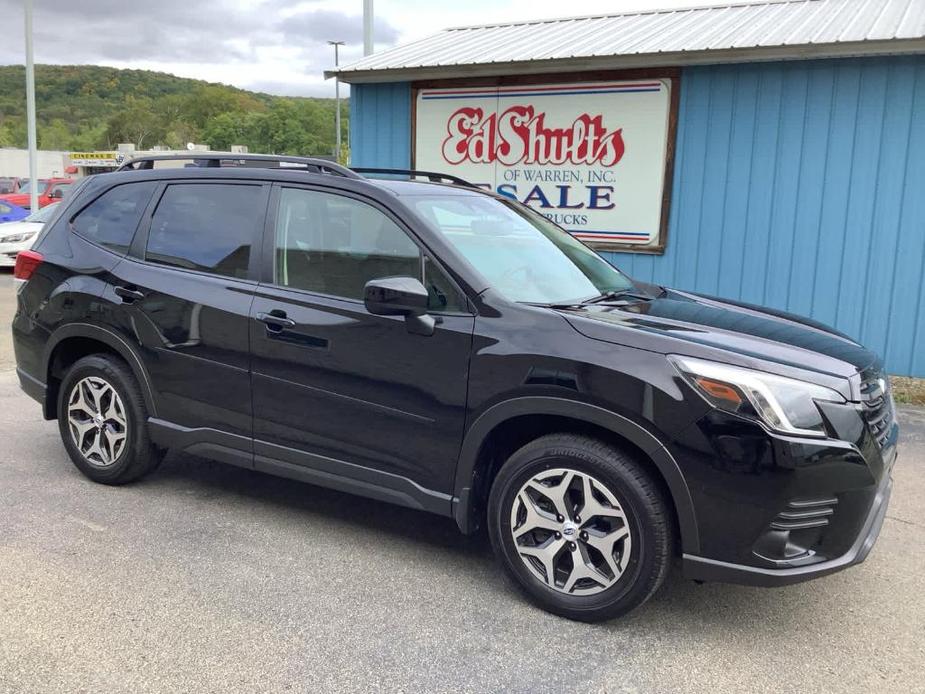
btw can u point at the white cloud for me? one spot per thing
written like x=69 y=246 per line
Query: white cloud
x=278 y=46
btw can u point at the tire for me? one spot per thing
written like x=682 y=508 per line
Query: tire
x=628 y=516
x=108 y=389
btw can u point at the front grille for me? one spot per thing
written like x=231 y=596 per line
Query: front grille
x=877 y=406
x=801 y=514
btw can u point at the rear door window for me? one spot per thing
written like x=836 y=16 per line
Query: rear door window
x=208 y=227
x=111 y=219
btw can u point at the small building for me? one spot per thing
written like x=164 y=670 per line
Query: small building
x=768 y=152
x=88 y=163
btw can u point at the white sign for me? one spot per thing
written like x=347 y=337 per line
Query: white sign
x=590 y=156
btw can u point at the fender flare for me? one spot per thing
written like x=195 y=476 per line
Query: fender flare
x=463 y=503
x=111 y=339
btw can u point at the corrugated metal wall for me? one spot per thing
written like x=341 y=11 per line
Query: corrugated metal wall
x=380 y=125
x=797 y=185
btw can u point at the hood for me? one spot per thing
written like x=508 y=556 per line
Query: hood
x=19 y=228
x=18 y=199
x=691 y=321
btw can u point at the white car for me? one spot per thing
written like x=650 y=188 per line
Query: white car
x=19 y=236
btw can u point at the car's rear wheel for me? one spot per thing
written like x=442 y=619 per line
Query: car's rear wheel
x=101 y=417
x=580 y=526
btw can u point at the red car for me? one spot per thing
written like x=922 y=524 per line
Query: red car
x=50 y=190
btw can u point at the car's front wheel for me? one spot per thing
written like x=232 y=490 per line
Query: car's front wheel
x=581 y=527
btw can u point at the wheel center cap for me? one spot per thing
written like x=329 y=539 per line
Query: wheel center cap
x=569 y=530
x=98 y=421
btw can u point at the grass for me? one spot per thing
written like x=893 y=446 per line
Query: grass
x=908 y=391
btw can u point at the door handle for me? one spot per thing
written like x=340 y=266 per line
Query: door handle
x=128 y=294
x=276 y=320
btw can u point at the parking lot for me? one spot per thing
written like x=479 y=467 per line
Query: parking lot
x=207 y=578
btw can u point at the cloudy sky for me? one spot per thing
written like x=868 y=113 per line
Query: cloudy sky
x=276 y=46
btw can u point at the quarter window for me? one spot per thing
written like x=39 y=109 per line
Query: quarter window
x=206 y=227
x=112 y=218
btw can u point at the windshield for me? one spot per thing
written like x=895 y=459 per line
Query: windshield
x=43 y=215
x=27 y=187
x=521 y=253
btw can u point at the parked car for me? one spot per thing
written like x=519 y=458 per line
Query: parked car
x=448 y=349
x=19 y=236
x=8 y=184
x=11 y=213
x=49 y=189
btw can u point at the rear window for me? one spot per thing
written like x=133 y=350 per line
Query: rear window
x=111 y=219
x=209 y=227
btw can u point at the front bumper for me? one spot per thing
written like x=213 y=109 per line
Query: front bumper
x=704 y=569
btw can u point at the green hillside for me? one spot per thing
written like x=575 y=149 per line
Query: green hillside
x=86 y=107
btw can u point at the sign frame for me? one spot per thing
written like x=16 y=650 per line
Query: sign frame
x=672 y=75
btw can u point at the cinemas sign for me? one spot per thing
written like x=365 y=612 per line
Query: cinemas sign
x=591 y=156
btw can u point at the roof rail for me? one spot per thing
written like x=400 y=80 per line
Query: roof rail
x=432 y=176
x=215 y=160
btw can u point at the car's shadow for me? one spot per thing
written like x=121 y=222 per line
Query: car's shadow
x=680 y=602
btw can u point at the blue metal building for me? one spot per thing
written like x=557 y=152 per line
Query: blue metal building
x=799 y=164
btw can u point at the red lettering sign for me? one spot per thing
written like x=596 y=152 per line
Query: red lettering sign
x=519 y=135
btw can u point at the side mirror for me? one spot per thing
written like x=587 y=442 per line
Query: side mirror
x=56 y=194
x=400 y=296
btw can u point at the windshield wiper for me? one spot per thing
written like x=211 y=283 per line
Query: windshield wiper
x=616 y=295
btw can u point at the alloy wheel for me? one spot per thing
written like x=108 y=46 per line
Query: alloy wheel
x=571 y=532
x=96 y=419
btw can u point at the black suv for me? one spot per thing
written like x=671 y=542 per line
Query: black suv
x=437 y=346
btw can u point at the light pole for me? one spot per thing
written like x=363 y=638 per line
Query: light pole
x=337 y=45
x=30 y=113
x=367 y=27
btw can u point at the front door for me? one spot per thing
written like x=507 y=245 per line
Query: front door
x=343 y=392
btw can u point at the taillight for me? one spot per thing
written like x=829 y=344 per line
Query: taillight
x=26 y=264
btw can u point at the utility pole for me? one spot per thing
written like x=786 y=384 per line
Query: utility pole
x=367 y=27
x=337 y=45
x=30 y=113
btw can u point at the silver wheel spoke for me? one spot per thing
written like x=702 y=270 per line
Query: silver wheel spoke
x=113 y=411
x=593 y=508
x=605 y=545
x=114 y=441
x=96 y=419
x=567 y=523
x=556 y=494
x=546 y=553
x=79 y=430
x=535 y=518
x=582 y=568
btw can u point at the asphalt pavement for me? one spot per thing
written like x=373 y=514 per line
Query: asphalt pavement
x=207 y=578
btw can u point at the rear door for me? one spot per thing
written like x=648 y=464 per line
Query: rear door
x=337 y=389
x=186 y=289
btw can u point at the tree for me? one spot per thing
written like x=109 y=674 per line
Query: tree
x=137 y=123
x=56 y=135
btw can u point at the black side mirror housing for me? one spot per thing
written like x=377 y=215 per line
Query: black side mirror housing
x=400 y=296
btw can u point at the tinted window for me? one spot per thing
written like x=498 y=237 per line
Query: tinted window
x=60 y=190
x=208 y=227
x=112 y=218
x=27 y=187
x=334 y=245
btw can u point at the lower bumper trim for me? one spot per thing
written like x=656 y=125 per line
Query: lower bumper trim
x=704 y=569
x=32 y=386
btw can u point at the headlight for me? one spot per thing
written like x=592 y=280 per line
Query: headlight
x=14 y=238
x=784 y=404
